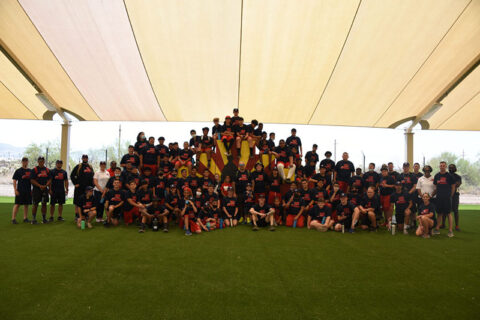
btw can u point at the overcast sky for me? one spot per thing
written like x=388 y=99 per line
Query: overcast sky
x=379 y=145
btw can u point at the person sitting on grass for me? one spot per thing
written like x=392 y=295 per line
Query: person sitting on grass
x=230 y=208
x=189 y=213
x=114 y=203
x=426 y=217
x=206 y=218
x=262 y=214
x=368 y=209
x=295 y=207
x=279 y=212
x=403 y=204
x=159 y=213
x=320 y=217
x=345 y=211
x=88 y=207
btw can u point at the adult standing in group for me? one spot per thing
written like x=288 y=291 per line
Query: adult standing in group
x=40 y=179
x=445 y=190
x=100 y=180
x=344 y=170
x=457 y=179
x=81 y=176
x=425 y=185
x=58 y=190
x=294 y=141
x=22 y=188
x=328 y=163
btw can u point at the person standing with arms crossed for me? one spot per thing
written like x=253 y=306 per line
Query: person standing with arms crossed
x=22 y=188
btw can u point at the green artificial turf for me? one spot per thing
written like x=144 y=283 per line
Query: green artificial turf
x=56 y=271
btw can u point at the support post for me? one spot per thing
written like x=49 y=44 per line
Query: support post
x=409 y=146
x=65 y=145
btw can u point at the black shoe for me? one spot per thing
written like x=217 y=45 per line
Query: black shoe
x=44 y=221
x=60 y=219
x=14 y=221
x=26 y=221
x=442 y=226
x=50 y=219
x=372 y=229
x=34 y=221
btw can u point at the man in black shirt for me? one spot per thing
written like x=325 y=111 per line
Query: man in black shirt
x=328 y=163
x=416 y=170
x=445 y=191
x=392 y=172
x=81 y=176
x=216 y=129
x=284 y=160
x=387 y=186
x=58 y=190
x=457 y=179
x=312 y=156
x=271 y=141
x=371 y=177
x=130 y=157
x=403 y=205
x=22 y=188
x=294 y=141
x=262 y=214
x=344 y=170
x=207 y=144
x=162 y=149
x=41 y=183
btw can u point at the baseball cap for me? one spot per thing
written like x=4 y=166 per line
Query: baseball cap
x=322 y=166
x=161 y=138
x=343 y=195
x=384 y=168
x=85 y=156
x=59 y=161
x=261 y=195
x=398 y=183
x=172 y=186
x=249 y=184
x=235 y=110
x=328 y=153
x=406 y=164
x=228 y=117
x=205 y=128
x=230 y=189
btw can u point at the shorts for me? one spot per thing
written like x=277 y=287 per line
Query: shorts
x=227 y=138
x=117 y=213
x=291 y=219
x=443 y=205
x=205 y=149
x=153 y=167
x=24 y=198
x=185 y=163
x=128 y=215
x=39 y=196
x=364 y=220
x=285 y=164
x=57 y=198
x=262 y=223
x=400 y=217
x=385 y=202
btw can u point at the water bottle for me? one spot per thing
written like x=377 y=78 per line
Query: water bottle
x=394 y=225
x=82 y=224
x=208 y=225
x=323 y=220
x=343 y=228
x=294 y=223
x=221 y=223
x=155 y=224
x=102 y=200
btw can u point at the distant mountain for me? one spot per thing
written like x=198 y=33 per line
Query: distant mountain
x=6 y=148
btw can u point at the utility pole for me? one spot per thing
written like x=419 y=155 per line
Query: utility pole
x=363 y=154
x=335 y=150
x=119 y=139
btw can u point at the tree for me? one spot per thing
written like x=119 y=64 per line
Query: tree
x=469 y=171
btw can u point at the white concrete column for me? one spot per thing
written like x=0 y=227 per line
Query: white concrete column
x=409 y=147
x=65 y=145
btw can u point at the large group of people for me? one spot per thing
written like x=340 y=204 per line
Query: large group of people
x=156 y=185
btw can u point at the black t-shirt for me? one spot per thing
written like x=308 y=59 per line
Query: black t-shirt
x=149 y=154
x=374 y=203
x=394 y=174
x=172 y=199
x=109 y=184
x=58 y=180
x=345 y=210
x=430 y=208
x=401 y=200
x=456 y=178
x=132 y=158
x=160 y=185
x=162 y=150
x=293 y=142
x=265 y=209
x=317 y=194
x=240 y=130
x=129 y=195
x=114 y=197
x=185 y=154
x=212 y=199
x=444 y=182
x=355 y=198
x=204 y=182
x=328 y=163
x=248 y=199
x=385 y=191
x=284 y=154
x=193 y=182
x=241 y=180
x=216 y=129
x=344 y=170
x=139 y=145
x=271 y=144
x=195 y=141
x=230 y=204
x=128 y=176
x=357 y=181
x=144 y=196
x=23 y=177
x=306 y=195
x=207 y=141
x=260 y=179
x=311 y=156
x=408 y=180
x=309 y=171
x=275 y=184
x=86 y=203
x=317 y=213
x=41 y=175
x=227 y=128
x=296 y=205
x=327 y=179
x=165 y=166
x=159 y=209
x=371 y=178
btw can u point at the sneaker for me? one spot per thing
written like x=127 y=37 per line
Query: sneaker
x=351 y=230
x=188 y=233
x=50 y=219
x=34 y=221
x=26 y=220
x=426 y=236
x=165 y=230
x=226 y=153
x=249 y=220
x=141 y=230
x=44 y=221
x=254 y=228
x=14 y=221
x=435 y=232
x=450 y=234
x=457 y=228
x=89 y=225
x=272 y=228
x=60 y=219
x=405 y=231
x=98 y=220
x=241 y=220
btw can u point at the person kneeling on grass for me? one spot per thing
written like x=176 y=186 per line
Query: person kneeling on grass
x=320 y=217
x=345 y=212
x=189 y=213
x=230 y=208
x=295 y=207
x=426 y=217
x=262 y=214
x=114 y=204
x=159 y=213
x=368 y=209
x=88 y=207
x=206 y=218
x=403 y=204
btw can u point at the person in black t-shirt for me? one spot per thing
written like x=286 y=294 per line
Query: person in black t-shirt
x=81 y=176
x=130 y=157
x=328 y=163
x=344 y=170
x=141 y=143
x=242 y=133
x=367 y=212
x=259 y=180
x=58 y=189
x=22 y=188
x=159 y=212
x=206 y=144
x=88 y=207
x=284 y=160
x=457 y=179
x=387 y=186
x=320 y=217
x=426 y=217
x=149 y=156
x=392 y=172
x=416 y=170
x=262 y=214
x=294 y=141
x=184 y=157
x=40 y=179
x=312 y=156
x=228 y=135
x=371 y=177
x=230 y=208
x=114 y=200
x=403 y=205
x=162 y=149
x=345 y=211
x=216 y=129
x=445 y=191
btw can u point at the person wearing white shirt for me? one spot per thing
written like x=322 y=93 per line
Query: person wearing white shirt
x=100 y=180
x=425 y=183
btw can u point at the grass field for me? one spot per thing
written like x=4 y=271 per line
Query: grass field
x=56 y=271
